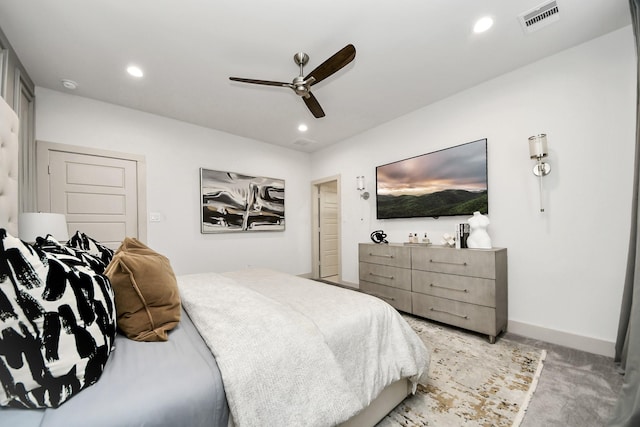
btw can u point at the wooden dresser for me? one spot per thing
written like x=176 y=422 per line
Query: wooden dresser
x=462 y=287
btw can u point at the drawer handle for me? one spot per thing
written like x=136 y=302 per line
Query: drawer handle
x=380 y=275
x=463 y=316
x=382 y=297
x=447 y=288
x=381 y=255
x=464 y=264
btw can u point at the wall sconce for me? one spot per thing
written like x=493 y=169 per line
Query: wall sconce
x=538 y=150
x=360 y=187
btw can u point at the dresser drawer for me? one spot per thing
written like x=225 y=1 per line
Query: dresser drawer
x=469 y=316
x=460 y=288
x=397 y=256
x=395 y=277
x=464 y=262
x=397 y=298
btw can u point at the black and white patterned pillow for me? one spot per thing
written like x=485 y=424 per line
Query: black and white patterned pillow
x=81 y=241
x=57 y=324
x=51 y=245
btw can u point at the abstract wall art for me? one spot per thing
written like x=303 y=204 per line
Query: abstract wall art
x=233 y=202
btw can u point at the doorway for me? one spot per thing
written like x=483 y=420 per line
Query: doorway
x=326 y=229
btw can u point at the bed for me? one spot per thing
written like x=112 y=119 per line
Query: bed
x=254 y=347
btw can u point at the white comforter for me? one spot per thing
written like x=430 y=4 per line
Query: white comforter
x=295 y=352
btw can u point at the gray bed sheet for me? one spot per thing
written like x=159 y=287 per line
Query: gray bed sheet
x=173 y=383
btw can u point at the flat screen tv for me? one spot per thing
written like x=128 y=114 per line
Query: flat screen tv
x=449 y=182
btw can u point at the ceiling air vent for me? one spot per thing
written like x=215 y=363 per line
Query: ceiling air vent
x=540 y=16
x=303 y=142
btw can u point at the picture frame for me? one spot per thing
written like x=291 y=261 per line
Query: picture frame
x=232 y=202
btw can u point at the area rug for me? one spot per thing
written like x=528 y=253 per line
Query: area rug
x=471 y=382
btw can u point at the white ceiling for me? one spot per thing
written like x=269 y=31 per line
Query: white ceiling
x=410 y=53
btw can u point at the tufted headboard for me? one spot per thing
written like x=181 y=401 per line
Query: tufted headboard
x=9 y=128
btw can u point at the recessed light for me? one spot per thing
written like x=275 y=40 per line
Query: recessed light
x=135 y=71
x=69 y=84
x=483 y=24
x=303 y=128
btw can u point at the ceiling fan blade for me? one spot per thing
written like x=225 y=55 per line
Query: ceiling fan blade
x=260 y=82
x=333 y=64
x=313 y=105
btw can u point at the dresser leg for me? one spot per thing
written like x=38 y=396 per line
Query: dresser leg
x=492 y=339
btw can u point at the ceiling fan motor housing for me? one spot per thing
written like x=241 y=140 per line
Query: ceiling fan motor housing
x=300 y=86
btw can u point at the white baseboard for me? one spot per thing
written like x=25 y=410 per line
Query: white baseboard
x=579 y=342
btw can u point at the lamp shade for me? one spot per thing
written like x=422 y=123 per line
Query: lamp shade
x=38 y=224
x=360 y=182
x=538 y=146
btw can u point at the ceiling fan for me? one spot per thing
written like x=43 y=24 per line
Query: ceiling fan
x=301 y=85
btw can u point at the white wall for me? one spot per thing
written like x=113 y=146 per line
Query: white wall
x=566 y=266
x=174 y=153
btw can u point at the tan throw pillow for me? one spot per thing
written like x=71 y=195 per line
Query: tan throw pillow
x=146 y=292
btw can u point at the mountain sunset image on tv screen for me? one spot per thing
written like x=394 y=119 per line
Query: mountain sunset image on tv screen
x=449 y=182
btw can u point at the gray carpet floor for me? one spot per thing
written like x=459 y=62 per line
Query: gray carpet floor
x=576 y=388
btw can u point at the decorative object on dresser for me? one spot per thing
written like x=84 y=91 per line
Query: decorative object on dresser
x=448 y=240
x=379 y=236
x=462 y=234
x=414 y=240
x=478 y=236
x=460 y=287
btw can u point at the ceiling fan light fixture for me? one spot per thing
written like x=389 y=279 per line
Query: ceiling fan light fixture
x=303 y=128
x=483 y=24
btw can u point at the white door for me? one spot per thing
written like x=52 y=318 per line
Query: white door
x=328 y=205
x=98 y=194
